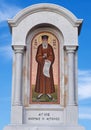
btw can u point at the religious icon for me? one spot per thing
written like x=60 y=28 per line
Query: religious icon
x=45 y=59
x=45 y=84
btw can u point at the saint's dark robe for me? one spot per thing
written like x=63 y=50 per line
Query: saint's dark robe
x=44 y=85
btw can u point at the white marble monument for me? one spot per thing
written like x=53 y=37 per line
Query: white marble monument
x=59 y=109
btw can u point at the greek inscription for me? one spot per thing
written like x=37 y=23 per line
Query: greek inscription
x=44 y=116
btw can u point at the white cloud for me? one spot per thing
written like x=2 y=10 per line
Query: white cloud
x=6 y=51
x=8 y=11
x=84 y=84
x=85 y=113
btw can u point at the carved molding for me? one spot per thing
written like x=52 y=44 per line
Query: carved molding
x=48 y=8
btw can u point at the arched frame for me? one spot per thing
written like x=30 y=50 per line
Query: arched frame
x=53 y=31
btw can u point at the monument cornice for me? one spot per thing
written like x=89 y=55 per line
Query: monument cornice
x=70 y=47
x=19 y=47
x=48 y=8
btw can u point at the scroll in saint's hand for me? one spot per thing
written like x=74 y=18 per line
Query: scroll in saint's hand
x=46 y=68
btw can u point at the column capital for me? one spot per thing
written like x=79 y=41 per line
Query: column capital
x=18 y=48
x=70 y=48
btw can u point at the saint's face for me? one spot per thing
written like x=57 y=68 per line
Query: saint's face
x=45 y=40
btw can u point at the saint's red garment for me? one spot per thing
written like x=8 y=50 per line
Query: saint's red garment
x=44 y=84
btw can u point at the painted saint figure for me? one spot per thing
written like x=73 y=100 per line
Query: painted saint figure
x=45 y=59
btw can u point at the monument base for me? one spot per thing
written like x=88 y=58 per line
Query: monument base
x=29 y=127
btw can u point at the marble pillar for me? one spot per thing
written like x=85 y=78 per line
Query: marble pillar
x=18 y=50
x=71 y=52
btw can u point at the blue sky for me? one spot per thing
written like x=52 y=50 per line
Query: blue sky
x=80 y=8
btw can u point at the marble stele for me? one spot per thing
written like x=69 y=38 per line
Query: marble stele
x=65 y=27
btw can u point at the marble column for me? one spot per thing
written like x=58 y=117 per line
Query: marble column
x=71 y=52
x=18 y=50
